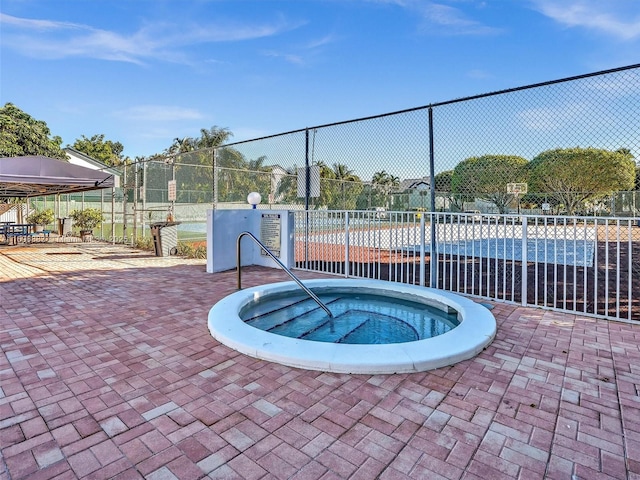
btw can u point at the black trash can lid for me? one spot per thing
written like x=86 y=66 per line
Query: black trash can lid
x=164 y=224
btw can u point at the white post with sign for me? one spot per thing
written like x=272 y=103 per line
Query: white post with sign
x=171 y=187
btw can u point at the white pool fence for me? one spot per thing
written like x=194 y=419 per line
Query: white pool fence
x=584 y=265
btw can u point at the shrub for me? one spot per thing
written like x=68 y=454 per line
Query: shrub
x=87 y=219
x=144 y=243
x=192 y=250
x=43 y=217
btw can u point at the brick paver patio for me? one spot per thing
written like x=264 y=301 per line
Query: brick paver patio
x=108 y=371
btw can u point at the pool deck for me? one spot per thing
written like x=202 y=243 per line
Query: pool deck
x=107 y=370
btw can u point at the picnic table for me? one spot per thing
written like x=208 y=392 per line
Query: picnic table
x=3 y=230
x=14 y=232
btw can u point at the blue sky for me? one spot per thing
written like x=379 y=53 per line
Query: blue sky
x=144 y=72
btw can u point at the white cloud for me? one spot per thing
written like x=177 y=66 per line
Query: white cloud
x=444 y=19
x=37 y=24
x=454 y=21
x=479 y=74
x=617 y=18
x=51 y=40
x=288 y=57
x=310 y=49
x=159 y=113
x=321 y=42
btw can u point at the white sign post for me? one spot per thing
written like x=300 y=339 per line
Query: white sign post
x=171 y=187
x=172 y=190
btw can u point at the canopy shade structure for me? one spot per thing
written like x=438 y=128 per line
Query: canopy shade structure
x=34 y=176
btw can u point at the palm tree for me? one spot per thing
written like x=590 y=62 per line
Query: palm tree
x=343 y=173
x=385 y=183
x=379 y=177
x=181 y=145
x=214 y=137
x=348 y=180
x=211 y=138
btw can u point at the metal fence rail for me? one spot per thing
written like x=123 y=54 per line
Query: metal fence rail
x=583 y=265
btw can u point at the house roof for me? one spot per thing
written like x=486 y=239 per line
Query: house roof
x=414 y=184
x=77 y=157
x=34 y=176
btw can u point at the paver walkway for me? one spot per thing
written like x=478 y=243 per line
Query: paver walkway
x=108 y=371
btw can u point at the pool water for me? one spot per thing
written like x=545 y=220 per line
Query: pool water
x=359 y=318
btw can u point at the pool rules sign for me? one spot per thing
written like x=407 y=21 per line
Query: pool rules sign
x=270 y=233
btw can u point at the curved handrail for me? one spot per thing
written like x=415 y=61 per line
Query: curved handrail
x=282 y=265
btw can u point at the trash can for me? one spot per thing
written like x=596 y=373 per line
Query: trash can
x=64 y=226
x=165 y=238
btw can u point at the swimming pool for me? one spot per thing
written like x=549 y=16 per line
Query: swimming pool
x=475 y=330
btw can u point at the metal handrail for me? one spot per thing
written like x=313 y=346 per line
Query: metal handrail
x=282 y=265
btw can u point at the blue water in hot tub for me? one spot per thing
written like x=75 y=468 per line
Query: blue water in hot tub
x=359 y=318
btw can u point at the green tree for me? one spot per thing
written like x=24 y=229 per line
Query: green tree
x=21 y=135
x=158 y=174
x=444 y=189
x=344 y=173
x=211 y=138
x=214 y=137
x=573 y=176
x=384 y=181
x=443 y=182
x=339 y=187
x=486 y=178
x=383 y=184
x=287 y=187
x=181 y=145
x=106 y=151
x=254 y=177
x=194 y=176
x=193 y=160
x=237 y=176
x=229 y=162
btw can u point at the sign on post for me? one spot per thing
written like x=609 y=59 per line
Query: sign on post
x=314 y=181
x=172 y=190
x=270 y=233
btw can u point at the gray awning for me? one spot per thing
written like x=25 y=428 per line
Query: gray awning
x=34 y=176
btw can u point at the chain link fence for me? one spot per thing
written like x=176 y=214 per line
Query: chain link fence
x=566 y=147
x=562 y=148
